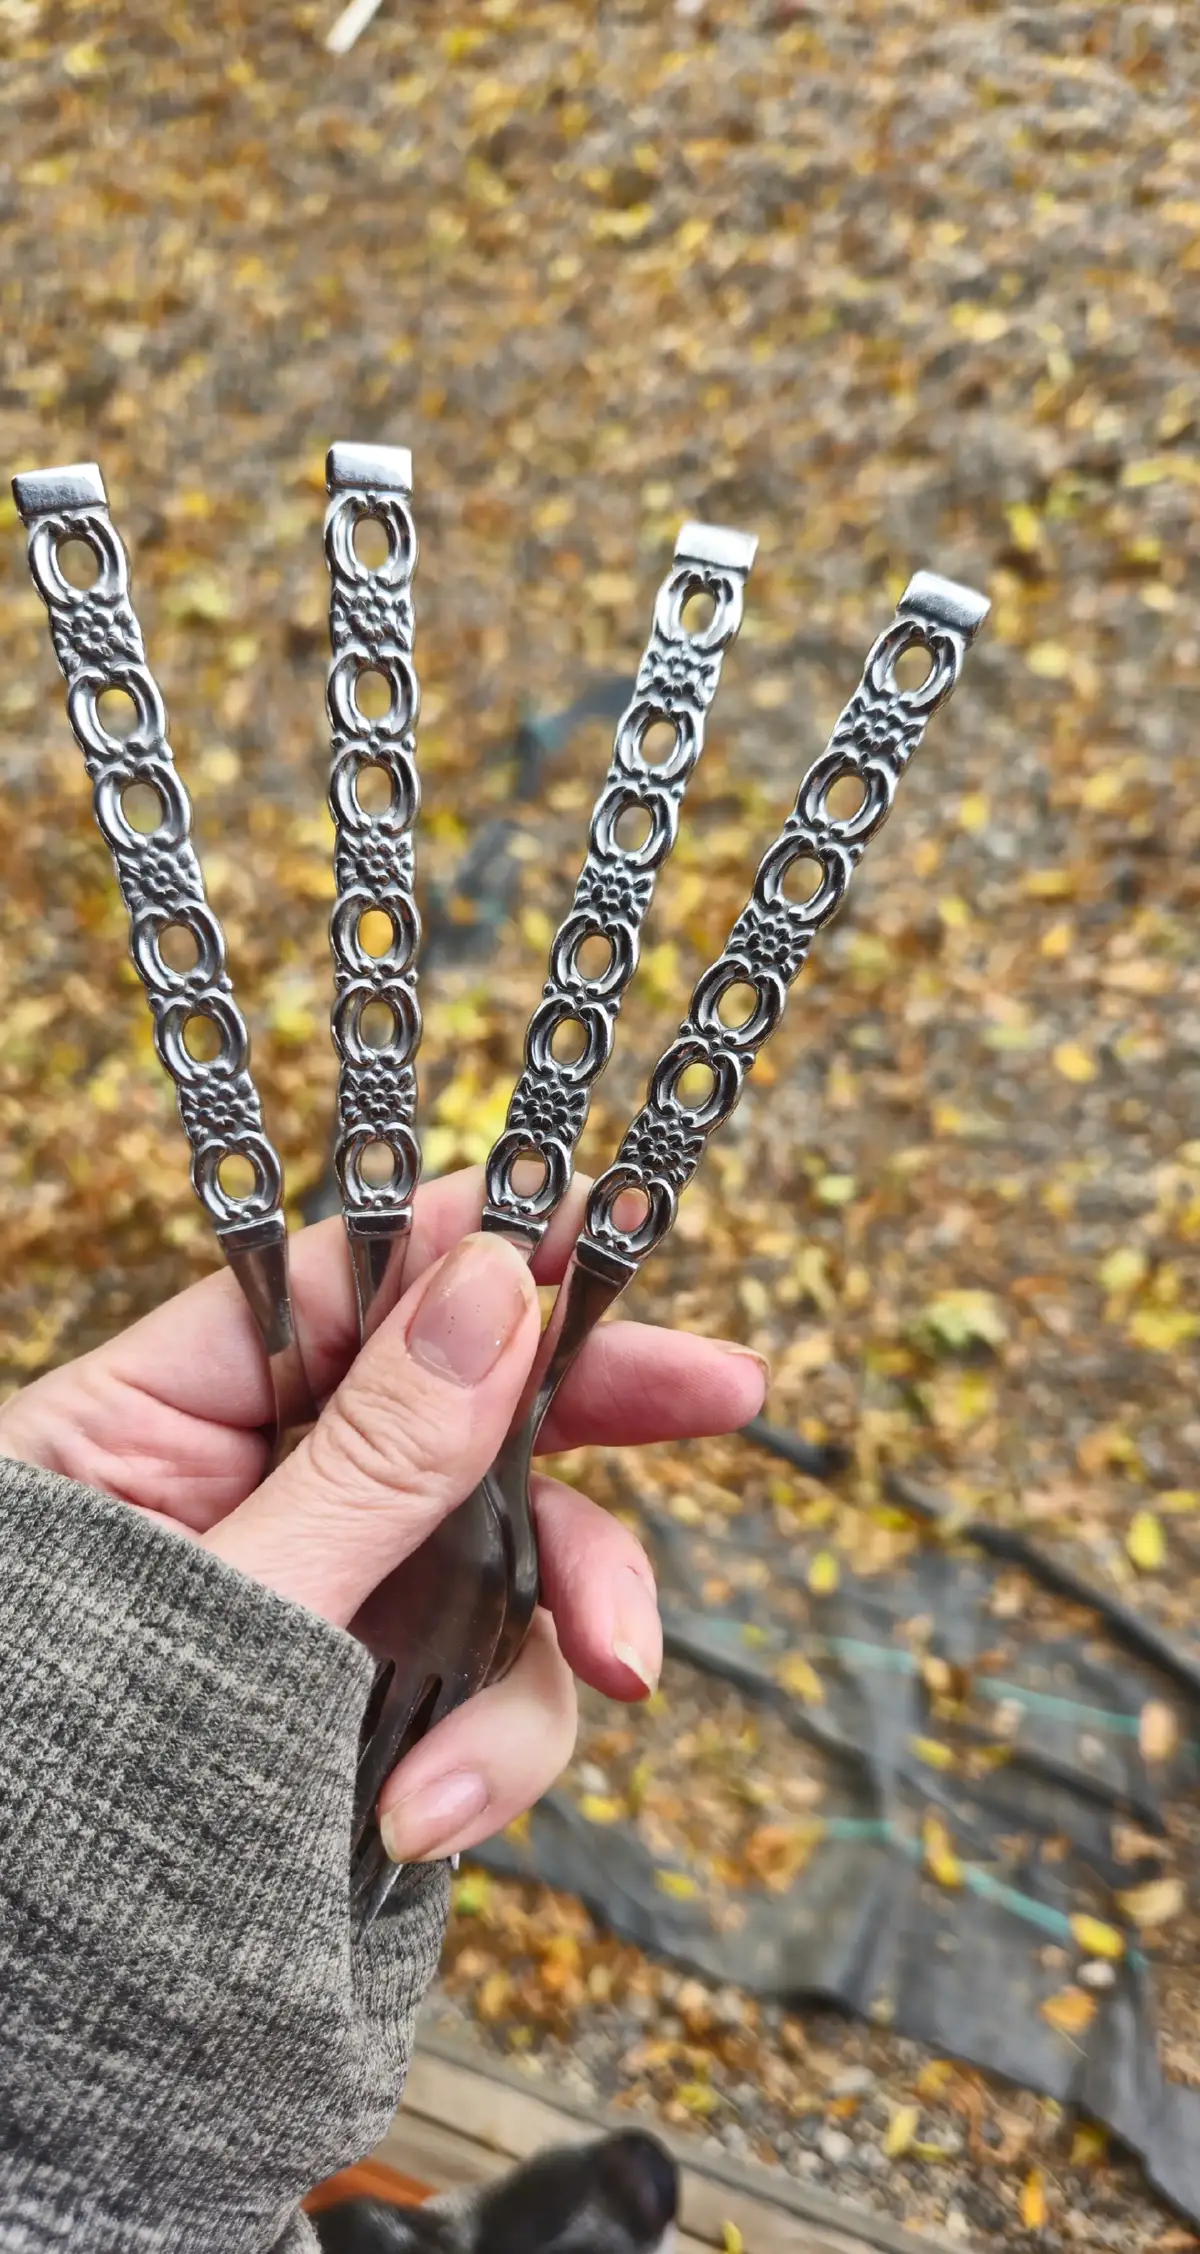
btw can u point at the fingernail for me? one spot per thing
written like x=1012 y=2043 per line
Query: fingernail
x=472 y=1309
x=746 y=1354
x=637 y=1629
x=421 y=1826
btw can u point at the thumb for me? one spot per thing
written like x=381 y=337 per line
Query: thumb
x=411 y=1430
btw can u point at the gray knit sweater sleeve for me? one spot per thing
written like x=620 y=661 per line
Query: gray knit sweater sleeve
x=192 y=2033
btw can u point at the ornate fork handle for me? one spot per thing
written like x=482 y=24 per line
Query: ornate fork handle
x=371 y=631
x=873 y=741
x=99 y=646
x=676 y=683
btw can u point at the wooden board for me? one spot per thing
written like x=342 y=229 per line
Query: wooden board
x=460 y=2124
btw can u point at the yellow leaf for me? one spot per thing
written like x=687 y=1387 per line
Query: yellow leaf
x=932 y=1751
x=1097 y=1939
x=698 y=2097
x=83 y=61
x=601 y=1808
x=1162 y=1329
x=1033 y=2201
x=1158 y=469
x=677 y=1884
x=941 y=1862
x=1158 y=1731
x=472 y=1893
x=621 y=226
x=1089 y=2144
x=954 y=913
x=732 y=2241
x=1071 y=2012
x=974 y=812
x=1154 y=1903
x=1075 y=1062
x=936 y=2077
x=900 y=2131
x=837 y=1189
x=1057 y=941
x=800 y=1677
x=1025 y=527
x=1051 y=661
x=1145 y=1541
x=493 y=1997
x=1124 y=1269
x=1049 y=884
x=956 y=1320
x=824 y=1574
x=292 y=1023
x=536 y=929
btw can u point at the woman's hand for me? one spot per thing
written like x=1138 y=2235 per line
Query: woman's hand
x=170 y=1417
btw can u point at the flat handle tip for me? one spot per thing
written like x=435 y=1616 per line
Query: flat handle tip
x=944 y=602
x=350 y=466
x=73 y=485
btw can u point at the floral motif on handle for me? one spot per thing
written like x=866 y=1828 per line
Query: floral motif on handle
x=371 y=632
x=800 y=885
x=632 y=832
x=99 y=646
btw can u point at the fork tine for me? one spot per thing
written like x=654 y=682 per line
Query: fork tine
x=99 y=646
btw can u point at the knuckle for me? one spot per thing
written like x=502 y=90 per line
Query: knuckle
x=386 y=1440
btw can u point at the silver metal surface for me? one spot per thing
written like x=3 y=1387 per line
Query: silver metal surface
x=676 y=683
x=371 y=631
x=461 y=1605
x=872 y=742
x=99 y=647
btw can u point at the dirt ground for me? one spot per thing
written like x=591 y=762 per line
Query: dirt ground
x=891 y=287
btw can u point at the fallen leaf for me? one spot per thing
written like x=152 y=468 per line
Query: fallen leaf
x=932 y=1752
x=601 y=1808
x=1158 y=1731
x=941 y=1862
x=900 y=2131
x=800 y=1677
x=1071 y=2012
x=1075 y=1062
x=1146 y=1542
x=1089 y=2144
x=824 y=1574
x=956 y=1320
x=677 y=1884
x=1096 y=1938
x=1123 y=1270
x=1162 y=1329
x=1033 y=2201
x=1153 y=1904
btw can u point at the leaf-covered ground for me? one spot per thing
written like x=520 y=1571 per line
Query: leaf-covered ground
x=889 y=285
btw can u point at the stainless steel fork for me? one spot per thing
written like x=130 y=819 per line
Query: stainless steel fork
x=98 y=643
